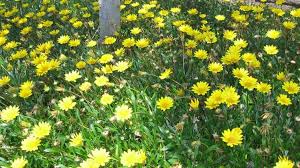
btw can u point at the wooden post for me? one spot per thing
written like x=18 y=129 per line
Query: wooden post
x=109 y=17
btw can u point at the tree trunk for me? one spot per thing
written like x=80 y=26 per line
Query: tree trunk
x=109 y=17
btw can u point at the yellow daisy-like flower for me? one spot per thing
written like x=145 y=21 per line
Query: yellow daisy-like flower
x=215 y=67
x=41 y=130
x=291 y=87
x=129 y=42
x=284 y=162
x=166 y=74
x=129 y=158
x=100 y=156
x=220 y=17
x=263 y=87
x=194 y=104
x=109 y=40
x=63 y=39
x=106 y=58
x=201 y=54
x=102 y=81
x=271 y=49
x=76 y=140
x=165 y=103
x=31 y=143
x=248 y=82
x=91 y=43
x=135 y=31
x=121 y=66
x=9 y=113
x=123 y=113
x=232 y=137
x=4 y=80
x=142 y=43
x=200 y=88
x=72 y=76
x=283 y=99
x=229 y=96
x=85 y=86
x=273 y=34
x=106 y=99
x=67 y=103
x=240 y=73
x=74 y=43
x=289 y=25
x=229 y=35
x=19 y=163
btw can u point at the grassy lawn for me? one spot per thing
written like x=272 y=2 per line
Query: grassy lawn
x=191 y=84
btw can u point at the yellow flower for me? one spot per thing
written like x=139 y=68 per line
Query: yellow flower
x=72 y=76
x=67 y=103
x=123 y=113
x=175 y=10
x=129 y=42
x=193 y=11
x=74 y=43
x=273 y=34
x=80 y=64
x=291 y=87
x=220 y=17
x=106 y=58
x=240 y=73
x=200 y=88
x=142 y=43
x=232 y=137
x=63 y=39
x=214 y=100
x=109 y=40
x=19 y=163
x=106 y=99
x=76 y=140
x=230 y=96
x=194 y=104
x=165 y=103
x=100 y=156
x=240 y=43
x=271 y=49
x=289 y=25
x=130 y=158
x=135 y=31
x=215 y=67
x=102 y=81
x=283 y=99
x=141 y=157
x=284 y=162
x=280 y=76
x=41 y=130
x=248 y=82
x=85 y=86
x=190 y=44
x=263 y=87
x=31 y=143
x=4 y=80
x=166 y=74
x=121 y=66
x=201 y=54
x=120 y=52
x=131 y=17
x=91 y=43
x=229 y=35
x=9 y=113
x=89 y=163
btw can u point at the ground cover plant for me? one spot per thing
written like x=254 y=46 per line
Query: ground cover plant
x=199 y=83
